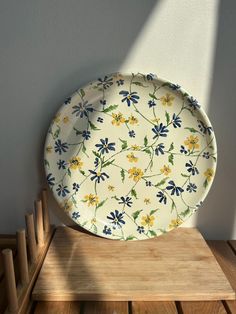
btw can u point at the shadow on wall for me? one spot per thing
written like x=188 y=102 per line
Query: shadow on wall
x=218 y=215
x=105 y=32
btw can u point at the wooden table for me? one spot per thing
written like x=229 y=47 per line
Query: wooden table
x=225 y=253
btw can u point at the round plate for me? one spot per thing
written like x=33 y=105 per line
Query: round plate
x=130 y=157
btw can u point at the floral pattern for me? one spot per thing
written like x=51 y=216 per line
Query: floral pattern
x=130 y=157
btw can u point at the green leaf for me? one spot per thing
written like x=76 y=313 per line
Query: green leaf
x=73 y=200
x=152 y=233
x=46 y=163
x=124 y=144
x=147 y=150
x=93 y=127
x=185 y=212
x=82 y=172
x=171 y=147
x=163 y=181
x=82 y=93
x=205 y=184
x=134 y=193
x=95 y=229
x=153 y=96
x=122 y=173
x=83 y=148
x=184 y=175
x=108 y=163
x=153 y=211
x=139 y=84
x=101 y=203
x=192 y=130
x=96 y=154
x=110 y=108
x=167 y=117
x=115 y=197
x=145 y=141
x=136 y=214
x=69 y=172
x=130 y=237
x=173 y=206
x=214 y=158
x=57 y=132
x=77 y=132
x=171 y=159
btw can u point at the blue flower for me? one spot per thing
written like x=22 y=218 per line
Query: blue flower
x=126 y=201
x=183 y=150
x=132 y=133
x=50 y=179
x=151 y=103
x=193 y=103
x=86 y=134
x=82 y=109
x=140 y=229
x=151 y=76
x=76 y=187
x=106 y=82
x=67 y=101
x=99 y=119
x=62 y=190
x=206 y=155
x=174 y=86
x=106 y=230
x=60 y=147
x=148 y=183
x=116 y=218
x=191 y=168
x=191 y=187
x=162 y=197
x=159 y=149
x=104 y=147
x=176 y=121
x=96 y=161
x=98 y=176
x=205 y=129
x=129 y=97
x=75 y=215
x=174 y=189
x=160 y=130
x=61 y=164
x=120 y=82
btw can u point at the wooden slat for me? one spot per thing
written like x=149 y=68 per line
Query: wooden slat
x=57 y=308
x=207 y=307
x=232 y=243
x=99 y=307
x=140 y=307
x=169 y=268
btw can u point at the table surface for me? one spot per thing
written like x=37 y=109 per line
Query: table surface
x=224 y=251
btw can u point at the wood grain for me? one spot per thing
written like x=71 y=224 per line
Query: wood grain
x=140 y=307
x=57 y=308
x=169 y=268
x=98 y=307
x=209 y=307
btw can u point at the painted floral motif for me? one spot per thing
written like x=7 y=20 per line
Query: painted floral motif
x=130 y=157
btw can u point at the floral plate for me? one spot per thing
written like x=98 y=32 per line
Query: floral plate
x=130 y=157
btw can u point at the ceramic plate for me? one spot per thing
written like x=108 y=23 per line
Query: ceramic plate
x=130 y=157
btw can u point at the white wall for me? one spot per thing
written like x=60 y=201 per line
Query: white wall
x=50 y=48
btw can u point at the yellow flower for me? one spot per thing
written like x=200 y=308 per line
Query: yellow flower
x=91 y=199
x=56 y=119
x=133 y=120
x=67 y=206
x=75 y=163
x=132 y=158
x=175 y=223
x=135 y=173
x=49 y=149
x=147 y=201
x=93 y=221
x=66 y=119
x=165 y=170
x=156 y=120
x=135 y=147
x=167 y=99
x=209 y=173
x=192 y=142
x=111 y=188
x=148 y=220
x=117 y=119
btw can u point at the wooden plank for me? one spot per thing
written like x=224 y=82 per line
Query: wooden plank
x=232 y=243
x=99 y=307
x=57 y=308
x=140 y=307
x=172 y=267
x=207 y=307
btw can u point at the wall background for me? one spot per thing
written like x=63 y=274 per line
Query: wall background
x=50 y=48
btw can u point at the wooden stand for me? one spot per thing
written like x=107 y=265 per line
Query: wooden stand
x=175 y=266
